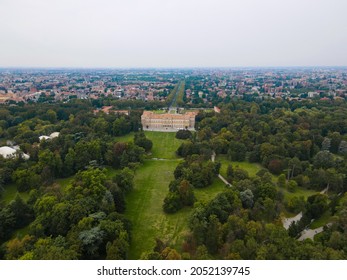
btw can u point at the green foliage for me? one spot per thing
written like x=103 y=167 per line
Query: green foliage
x=172 y=203
x=281 y=181
x=292 y=186
x=299 y=139
x=183 y=134
x=237 y=151
x=26 y=179
x=323 y=159
x=316 y=205
x=296 y=204
x=247 y=198
x=125 y=179
x=141 y=141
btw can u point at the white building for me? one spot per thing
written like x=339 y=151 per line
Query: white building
x=51 y=136
x=8 y=152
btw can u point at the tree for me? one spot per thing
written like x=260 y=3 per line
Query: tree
x=316 y=205
x=213 y=234
x=281 y=181
x=170 y=254
x=292 y=186
x=230 y=172
x=51 y=161
x=85 y=152
x=172 y=203
x=296 y=204
x=237 y=151
x=26 y=179
x=183 y=134
x=120 y=127
x=53 y=249
x=141 y=140
x=294 y=165
x=16 y=248
x=323 y=159
x=247 y=198
x=114 y=153
x=51 y=116
x=125 y=179
x=22 y=212
x=343 y=147
x=186 y=193
x=275 y=166
x=7 y=223
x=118 y=249
x=69 y=163
x=91 y=240
x=118 y=196
x=326 y=144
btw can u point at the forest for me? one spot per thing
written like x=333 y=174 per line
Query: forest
x=72 y=192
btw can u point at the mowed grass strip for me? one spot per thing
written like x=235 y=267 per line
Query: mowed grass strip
x=165 y=144
x=144 y=207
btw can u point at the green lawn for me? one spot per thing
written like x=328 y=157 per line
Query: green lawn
x=144 y=207
x=126 y=138
x=322 y=221
x=111 y=172
x=206 y=194
x=165 y=144
x=10 y=192
x=160 y=111
x=20 y=233
x=299 y=192
x=251 y=168
x=64 y=182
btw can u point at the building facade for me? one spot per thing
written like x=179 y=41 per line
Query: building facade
x=167 y=122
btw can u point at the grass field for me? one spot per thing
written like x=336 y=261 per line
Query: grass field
x=322 y=221
x=251 y=168
x=160 y=111
x=206 y=194
x=126 y=138
x=10 y=192
x=144 y=207
x=165 y=144
x=299 y=192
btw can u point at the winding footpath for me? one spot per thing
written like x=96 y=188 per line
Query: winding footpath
x=306 y=233
x=310 y=233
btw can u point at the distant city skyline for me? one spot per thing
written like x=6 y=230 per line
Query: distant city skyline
x=172 y=33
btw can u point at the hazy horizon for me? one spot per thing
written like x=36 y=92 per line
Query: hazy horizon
x=113 y=34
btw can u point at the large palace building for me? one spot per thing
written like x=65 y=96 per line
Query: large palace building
x=167 y=122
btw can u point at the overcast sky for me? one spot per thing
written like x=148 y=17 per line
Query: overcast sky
x=172 y=33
